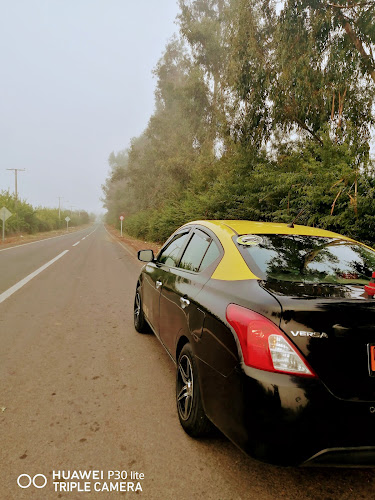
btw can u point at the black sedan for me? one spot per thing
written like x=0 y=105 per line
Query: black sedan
x=272 y=329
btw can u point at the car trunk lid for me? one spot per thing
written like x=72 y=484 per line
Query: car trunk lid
x=333 y=326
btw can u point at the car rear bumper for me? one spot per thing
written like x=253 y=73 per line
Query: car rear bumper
x=361 y=456
x=290 y=420
x=298 y=421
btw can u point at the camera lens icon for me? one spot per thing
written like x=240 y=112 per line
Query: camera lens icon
x=25 y=481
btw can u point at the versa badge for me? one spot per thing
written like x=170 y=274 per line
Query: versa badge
x=318 y=335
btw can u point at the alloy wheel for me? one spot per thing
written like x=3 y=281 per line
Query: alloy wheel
x=185 y=387
x=137 y=307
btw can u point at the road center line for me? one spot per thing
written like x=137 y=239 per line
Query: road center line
x=91 y=233
x=75 y=244
x=28 y=278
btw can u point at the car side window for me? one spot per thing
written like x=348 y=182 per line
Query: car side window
x=170 y=254
x=195 y=251
x=211 y=255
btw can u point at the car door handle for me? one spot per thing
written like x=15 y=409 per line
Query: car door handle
x=184 y=302
x=158 y=284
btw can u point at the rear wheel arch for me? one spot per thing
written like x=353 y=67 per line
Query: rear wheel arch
x=180 y=344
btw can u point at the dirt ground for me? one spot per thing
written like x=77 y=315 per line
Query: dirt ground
x=133 y=242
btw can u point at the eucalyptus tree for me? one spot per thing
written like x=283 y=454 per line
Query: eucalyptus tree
x=251 y=70
x=323 y=72
x=115 y=188
x=204 y=26
x=287 y=91
x=356 y=17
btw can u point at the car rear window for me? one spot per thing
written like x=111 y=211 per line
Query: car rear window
x=308 y=259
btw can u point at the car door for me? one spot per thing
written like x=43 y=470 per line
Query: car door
x=179 y=313
x=152 y=273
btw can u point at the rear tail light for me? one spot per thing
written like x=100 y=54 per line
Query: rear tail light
x=370 y=288
x=264 y=345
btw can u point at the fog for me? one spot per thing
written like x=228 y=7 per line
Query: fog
x=76 y=83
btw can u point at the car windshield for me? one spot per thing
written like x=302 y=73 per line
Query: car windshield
x=307 y=259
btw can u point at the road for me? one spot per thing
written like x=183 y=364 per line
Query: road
x=82 y=391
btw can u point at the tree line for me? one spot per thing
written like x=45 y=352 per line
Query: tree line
x=263 y=111
x=27 y=219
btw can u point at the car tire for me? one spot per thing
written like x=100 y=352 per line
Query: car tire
x=140 y=323
x=188 y=396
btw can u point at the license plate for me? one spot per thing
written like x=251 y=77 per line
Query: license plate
x=371 y=359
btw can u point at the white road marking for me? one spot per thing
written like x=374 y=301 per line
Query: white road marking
x=28 y=278
x=40 y=241
x=75 y=244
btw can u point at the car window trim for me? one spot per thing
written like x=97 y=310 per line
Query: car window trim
x=195 y=231
x=214 y=239
x=191 y=229
x=199 y=268
x=168 y=242
x=213 y=236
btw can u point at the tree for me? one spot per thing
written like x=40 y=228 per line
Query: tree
x=320 y=76
x=258 y=114
x=356 y=17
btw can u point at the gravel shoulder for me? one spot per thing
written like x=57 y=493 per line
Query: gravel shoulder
x=132 y=243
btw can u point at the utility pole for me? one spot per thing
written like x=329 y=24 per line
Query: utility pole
x=59 y=197
x=15 y=181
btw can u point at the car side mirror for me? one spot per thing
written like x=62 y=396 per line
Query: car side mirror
x=146 y=255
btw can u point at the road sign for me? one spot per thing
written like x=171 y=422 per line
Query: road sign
x=121 y=219
x=5 y=214
x=67 y=219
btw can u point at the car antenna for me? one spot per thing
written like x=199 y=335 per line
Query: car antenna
x=291 y=225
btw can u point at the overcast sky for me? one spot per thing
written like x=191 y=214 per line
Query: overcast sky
x=76 y=83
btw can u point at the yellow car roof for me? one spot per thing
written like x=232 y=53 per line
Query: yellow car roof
x=251 y=227
x=232 y=266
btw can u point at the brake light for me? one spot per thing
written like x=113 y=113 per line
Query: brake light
x=264 y=345
x=370 y=288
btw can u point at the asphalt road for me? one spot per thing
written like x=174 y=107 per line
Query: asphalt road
x=80 y=390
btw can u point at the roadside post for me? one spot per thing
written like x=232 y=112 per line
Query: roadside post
x=4 y=214
x=121 y=219
x=67 y=223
